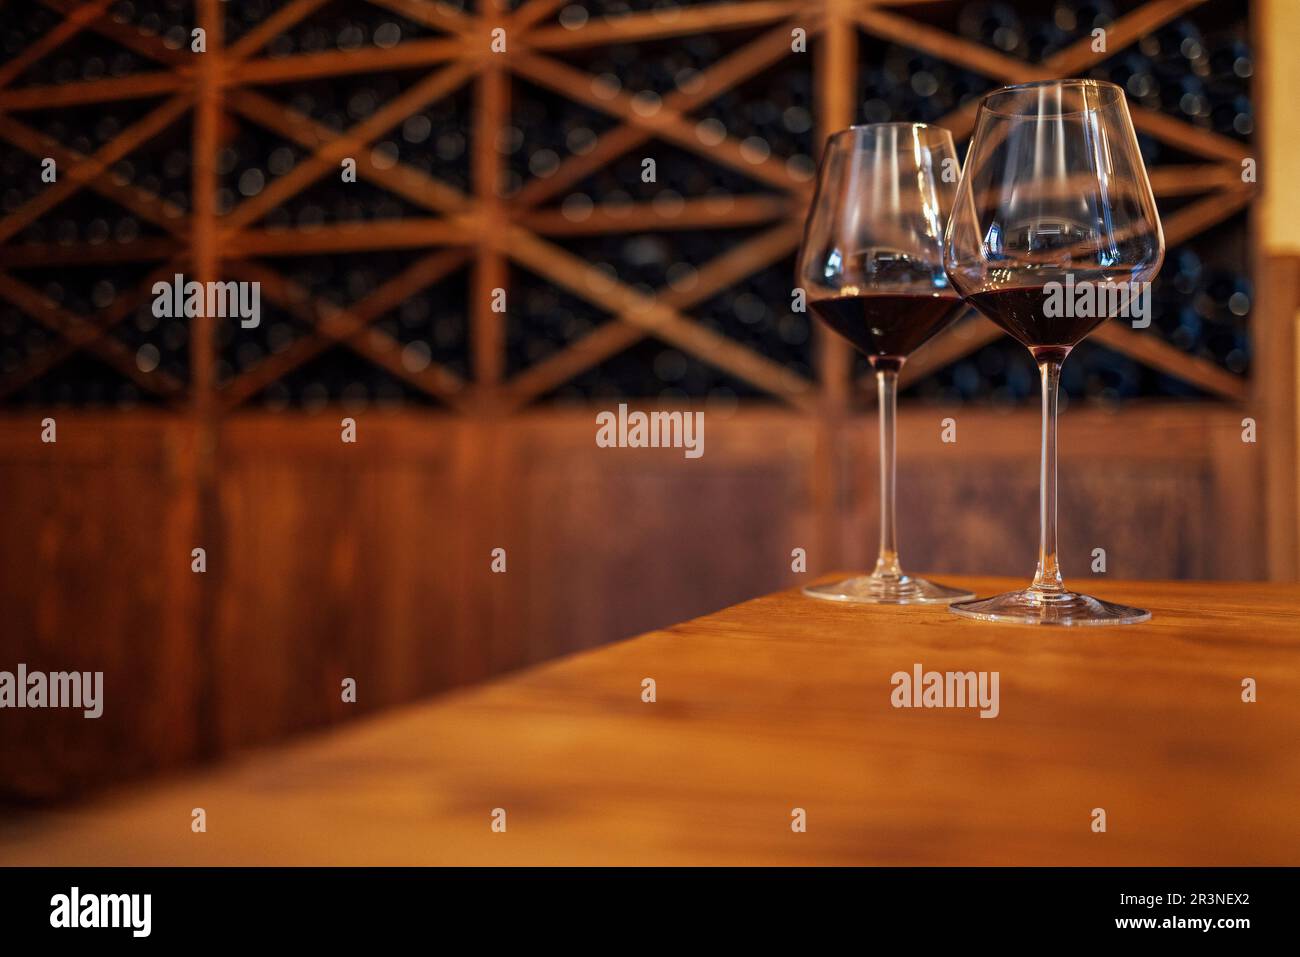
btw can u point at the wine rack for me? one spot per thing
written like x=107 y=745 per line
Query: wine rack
x=524 y=170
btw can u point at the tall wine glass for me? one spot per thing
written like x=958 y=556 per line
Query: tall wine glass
x=872 y=268
x=1054 y=231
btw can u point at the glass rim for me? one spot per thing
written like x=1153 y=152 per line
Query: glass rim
x=1116 y=91
x=861 y=127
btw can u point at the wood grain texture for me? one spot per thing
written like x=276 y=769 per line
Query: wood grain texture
x=95 y=576
x=371 y=561
x=773 y=704
x=340 y=561
x=1179 y=501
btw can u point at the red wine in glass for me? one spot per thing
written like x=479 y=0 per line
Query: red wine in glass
x=1022 y=311
x=888 y=327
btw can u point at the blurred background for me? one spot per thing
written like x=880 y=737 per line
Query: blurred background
x=522 y=170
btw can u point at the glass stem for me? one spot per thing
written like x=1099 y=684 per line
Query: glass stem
x=887 y=384
x=1047 y=579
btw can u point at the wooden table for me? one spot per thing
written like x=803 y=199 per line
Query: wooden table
x=776 y=704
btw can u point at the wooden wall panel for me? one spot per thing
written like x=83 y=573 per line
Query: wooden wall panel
x=341 y=560
x=608 y=543
x=95 y=576
x=1168 y=491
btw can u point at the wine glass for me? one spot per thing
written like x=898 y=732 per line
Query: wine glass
x=872 y=268
x=1054 y=230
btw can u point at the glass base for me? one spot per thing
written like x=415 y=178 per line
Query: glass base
x=881 y=590
x=1029 y=607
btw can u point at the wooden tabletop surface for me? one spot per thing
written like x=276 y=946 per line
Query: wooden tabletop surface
x=776 y=704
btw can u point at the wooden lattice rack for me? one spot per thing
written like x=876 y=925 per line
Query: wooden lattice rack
x=482 y=229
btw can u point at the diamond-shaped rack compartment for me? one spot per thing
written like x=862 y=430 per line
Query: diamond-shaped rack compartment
x=86 y=129
x=418 y=166
x=88 y=347
x=543 y=319
x=88 y=228
x=652 y=369
x=339 y=25
x=37 y=368
x=339 y=106
x=679 y=174
x=120 y=215
x=896 y=83
x=386 y=356
x=436 y=141
x=656 y=260
x=431 y=326
x=82 y=382
x=650 y=68
x=1203 y=297
x=340 y=377
x=769 y=114
x=89 y=55
x=543 y=130
x=757 y=312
